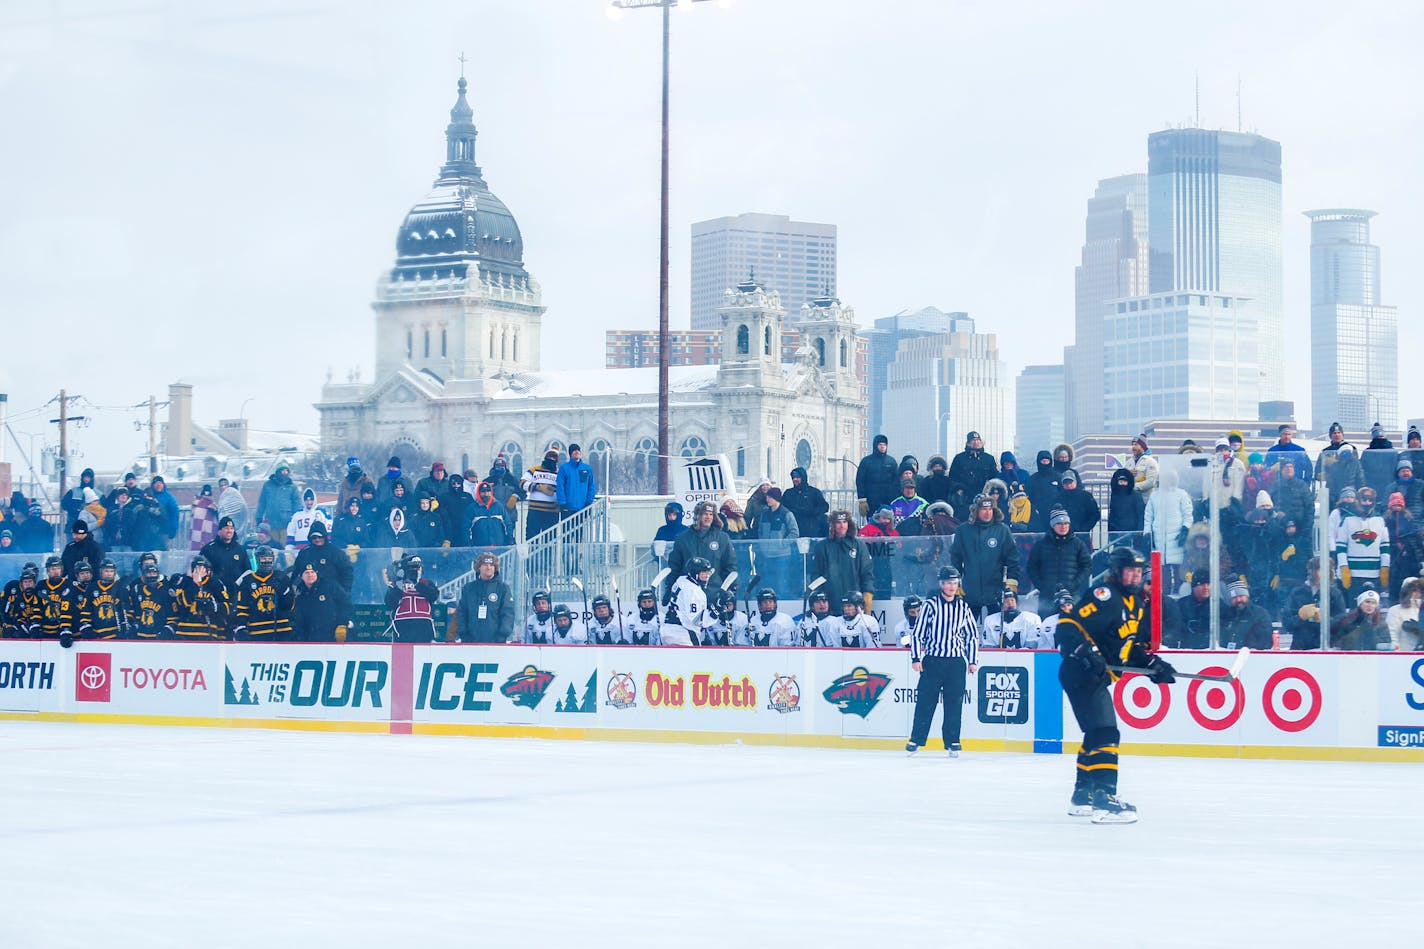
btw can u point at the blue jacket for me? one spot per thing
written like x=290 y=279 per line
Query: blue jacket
x=169 y=505
x=575 y=487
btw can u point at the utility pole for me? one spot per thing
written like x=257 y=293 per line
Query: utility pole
x=153 y=406
x=63 y=422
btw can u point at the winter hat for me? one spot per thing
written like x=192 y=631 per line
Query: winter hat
x=773 y=494
x=393 y=461
x=437 y=466
x=1221 y=443
x=1377 y=430
x=1413 y=435
x=1263 y=499
x=6 y=534
x=1237 y=589
x=1367 y=595
x=937 y=460
x=318 y=529
x=1201 y=578
x=1396 y=501
x=970 y=437
x=79 y=527
x=880 y=440
x=1186 y=443
x=1404 y=462
x=158 y=479
x=353 y=463
x=225 y=522
x=1017 y=489
x=1347 y=494
x=1058 y=516
x=1235 y=436
x=456 y=482
x=206 y=491
x=1141 y=439
x=883 y=512
x=1069 y=475
x=1256 y=458
x=500 y=461
x=575 y=447
x=1336 y=427
x=367 y=488
x=353 y=500
x=308 y=493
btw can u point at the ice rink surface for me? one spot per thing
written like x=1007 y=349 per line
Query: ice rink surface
x=128 y=836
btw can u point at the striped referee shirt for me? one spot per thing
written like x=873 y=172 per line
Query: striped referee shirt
x=945 y=629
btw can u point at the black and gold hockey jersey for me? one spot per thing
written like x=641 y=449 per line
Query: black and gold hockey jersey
x=262 y=606
x=63 y=608
x=201 y=610
x=150 y=609
x=1109 y=620
x=107 y=617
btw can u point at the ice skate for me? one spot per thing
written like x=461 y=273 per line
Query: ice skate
x=911 y=748
x=953 y=750
x=1107 y=809
x=1081 y=804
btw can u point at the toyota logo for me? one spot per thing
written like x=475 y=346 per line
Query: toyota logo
x=92 y=677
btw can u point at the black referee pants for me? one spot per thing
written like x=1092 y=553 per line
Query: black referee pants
x=941 y=676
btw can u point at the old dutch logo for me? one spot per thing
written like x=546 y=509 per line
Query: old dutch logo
x=526 y=687
x=785 y=694
x=621 y=690
x=857 y=692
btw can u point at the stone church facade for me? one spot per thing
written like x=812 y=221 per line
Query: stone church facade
x=458 y=374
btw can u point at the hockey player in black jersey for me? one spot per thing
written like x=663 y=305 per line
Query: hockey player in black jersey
x=1100 y=631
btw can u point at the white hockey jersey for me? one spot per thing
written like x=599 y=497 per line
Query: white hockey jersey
x=606 y=634
x=537 y=632
x=575 y=635
x=643 y=632
x=815 y=630
x=1022 y=632
x=1047 y=631
x=861 y=632
x=778 y=630
x=727 y=631
x=902 y=633
x=687 y=617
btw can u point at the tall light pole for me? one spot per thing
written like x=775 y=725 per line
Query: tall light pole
x=664 y=344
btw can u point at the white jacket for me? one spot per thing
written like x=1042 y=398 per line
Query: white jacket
x=1168 y=511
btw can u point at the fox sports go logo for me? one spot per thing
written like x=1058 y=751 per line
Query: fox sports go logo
x=1290 y=699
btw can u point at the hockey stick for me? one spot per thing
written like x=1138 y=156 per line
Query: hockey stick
x=1231 y=675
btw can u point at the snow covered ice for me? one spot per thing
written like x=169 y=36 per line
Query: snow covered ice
x=122 y=836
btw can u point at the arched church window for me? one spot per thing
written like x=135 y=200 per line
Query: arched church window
x=514 y=354
x=743 y=340
x=766 y=341
x=491 y=342
x=820 y=351
x=843 y=354
x=513 y=454
x=645 y=458
x=596 y=454
x=693 y=447
x=803 y=454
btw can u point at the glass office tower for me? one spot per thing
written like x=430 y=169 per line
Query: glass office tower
x=1354 y=339
x=1214 y=226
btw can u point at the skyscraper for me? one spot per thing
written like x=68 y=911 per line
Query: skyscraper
x=1214 y=226
x=884 y=341
x=797 y=259
x=1114 y=265
x=1354 y=339
x=1038 y=411
x=944 y=386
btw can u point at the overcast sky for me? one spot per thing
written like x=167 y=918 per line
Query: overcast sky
x=208 y=191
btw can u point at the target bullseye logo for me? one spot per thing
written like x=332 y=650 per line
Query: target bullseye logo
x=1140 y=702
x=1291 y=699
x=1216 y=706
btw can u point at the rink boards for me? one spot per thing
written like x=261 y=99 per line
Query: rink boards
x=1343 y=706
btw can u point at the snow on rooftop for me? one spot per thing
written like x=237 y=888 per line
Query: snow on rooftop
x=599 y=383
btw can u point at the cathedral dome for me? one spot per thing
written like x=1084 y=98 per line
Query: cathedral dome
x=460 y=224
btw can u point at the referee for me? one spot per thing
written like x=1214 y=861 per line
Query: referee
x=943 y=647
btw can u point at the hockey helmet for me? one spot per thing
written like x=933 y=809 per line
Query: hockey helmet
x=764 y=594
x=602 y=602
x=1124 y=558
x=948 y=573
x=108 y=570
x=1009 y=593
x=83 y=567
x=51 y=562
x=647 y=603
x=148 y=569
x=1063 y=599
x=201 y=561
x=852 y=599
x=698 y=566
x=912 y=602
x=265 y=555
x=30 y=572
x=819 y=596
x=561 y=612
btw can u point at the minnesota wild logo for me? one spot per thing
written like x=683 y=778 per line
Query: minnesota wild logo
x=857 y=692
x=527 y=686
